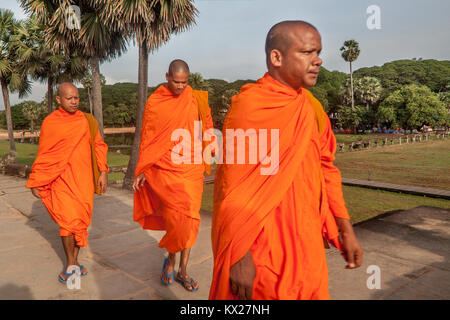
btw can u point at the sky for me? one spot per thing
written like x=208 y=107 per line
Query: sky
x=228 y=39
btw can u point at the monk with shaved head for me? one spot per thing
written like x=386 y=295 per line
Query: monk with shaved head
x=168 y=193
x=269 y=231
x=71 y=153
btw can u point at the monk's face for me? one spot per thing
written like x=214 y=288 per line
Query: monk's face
x=299 y=64
x=177 y=82
x=68 y=98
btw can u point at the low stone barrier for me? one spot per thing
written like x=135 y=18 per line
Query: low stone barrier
x=401 y=139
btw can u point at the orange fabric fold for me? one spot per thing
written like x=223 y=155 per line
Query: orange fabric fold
x=171 y=196
x=281 y=218
x=63 y=171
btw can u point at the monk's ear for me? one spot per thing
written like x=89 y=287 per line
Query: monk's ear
x=275 y=58
x=58 y=99
x=167 y=76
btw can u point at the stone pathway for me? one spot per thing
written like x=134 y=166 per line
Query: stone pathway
x=411 y=248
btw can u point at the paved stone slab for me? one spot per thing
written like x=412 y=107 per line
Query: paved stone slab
x=143 y=263
x=411 y=248
x=116 y=244
x=429 y=192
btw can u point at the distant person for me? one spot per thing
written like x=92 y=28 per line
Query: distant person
x=168 y=195
x=268 y=230
x=65 y=169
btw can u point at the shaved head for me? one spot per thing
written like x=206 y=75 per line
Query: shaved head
x=178 y=66
x=292 y=53
x=68 y=97
x=63 y=88
x=280 y=36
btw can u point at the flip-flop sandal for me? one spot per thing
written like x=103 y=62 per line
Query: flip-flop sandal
x=169 y=276
x=184 y=283
x=83 y=274
x=64 y=280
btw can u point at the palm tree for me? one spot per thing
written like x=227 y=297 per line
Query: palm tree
x=350 y=52
x=197 y=82
x=33 y=111
x=12 y=78
x=150 y=23
x=44 y=63
x=87 y=84
x=369 y=90
x=98 y=39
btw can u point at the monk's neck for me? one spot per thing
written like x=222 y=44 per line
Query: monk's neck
x=280 y=80
x=65 y=112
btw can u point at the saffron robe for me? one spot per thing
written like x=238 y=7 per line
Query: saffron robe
x=281 y=218
x=170 y=198
x=63 y=173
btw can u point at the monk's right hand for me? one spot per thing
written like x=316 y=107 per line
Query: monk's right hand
x=36 y=192
x=138 y=182
x=242 y=275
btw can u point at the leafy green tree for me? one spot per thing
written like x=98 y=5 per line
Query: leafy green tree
x=197 y=82
x=12 y=77
x=33 y=111
x=220 y=109
x=349 y=118
x=100 y=36
x=412 y=107
x=367 y=91
x=350 y=52
x=395 y=74
x=44 y=63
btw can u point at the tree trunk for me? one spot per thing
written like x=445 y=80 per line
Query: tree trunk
x=142 y=98
x=90 y=99
x=32 y=126
x=97 y=92
x=12 y=146
x=351 y=89
x=351 y=86
x=49 y=94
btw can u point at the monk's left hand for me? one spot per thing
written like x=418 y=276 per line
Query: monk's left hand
x=352 y=250
x=103 y=181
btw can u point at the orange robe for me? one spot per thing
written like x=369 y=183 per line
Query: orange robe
x=171 y=197
x=63 y=172
x=282 y=218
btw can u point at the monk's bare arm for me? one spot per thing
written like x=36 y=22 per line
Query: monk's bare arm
x=103 y=181
x=352 y=250
x=138 y=182
x=242 y=275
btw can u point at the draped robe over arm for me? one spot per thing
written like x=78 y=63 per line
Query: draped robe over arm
x=63 y=174
x=281 y=218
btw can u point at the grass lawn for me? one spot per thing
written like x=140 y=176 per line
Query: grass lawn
x=425 y=164
x=27 y=153
x=362 y=203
